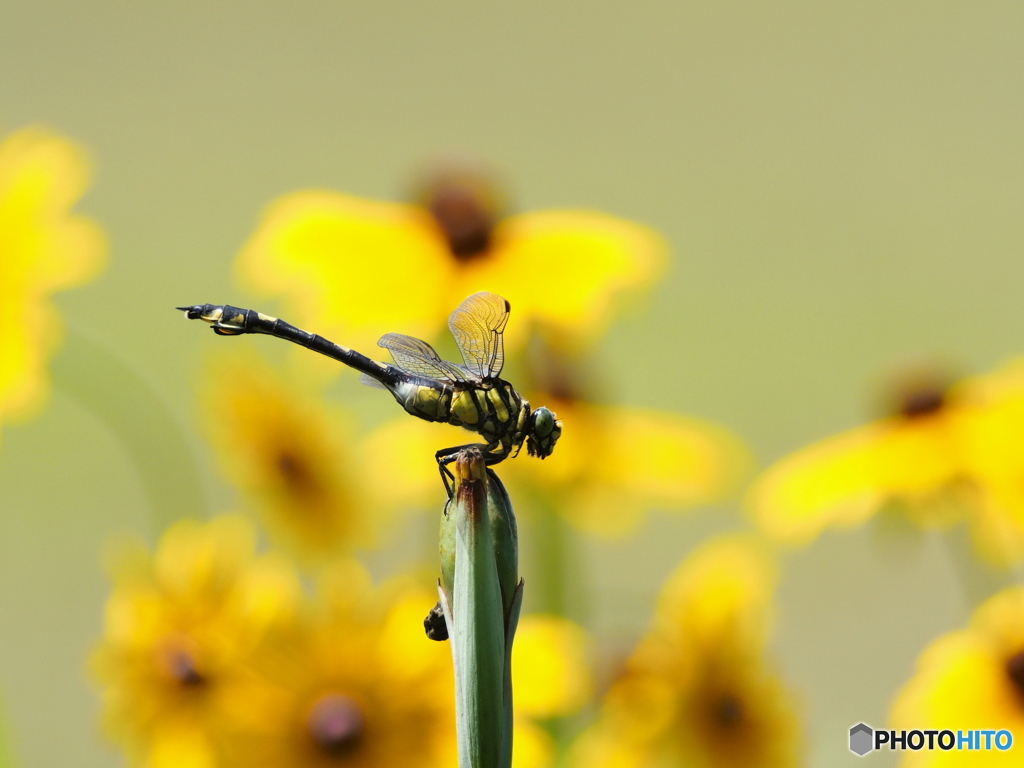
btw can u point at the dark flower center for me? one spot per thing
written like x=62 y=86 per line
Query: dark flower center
x=1015 y=671
x=562 y=385
x=295 y=472
x=557 y=371
x=287 y=465
x=728 y=711
x=183 y=668
x=464 y=215
x=920 y=402
x=336 y=724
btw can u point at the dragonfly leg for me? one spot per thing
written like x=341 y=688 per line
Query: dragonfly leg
x=448 y=479
x=447 y=455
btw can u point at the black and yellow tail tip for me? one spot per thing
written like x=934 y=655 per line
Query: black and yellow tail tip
x=192 y=312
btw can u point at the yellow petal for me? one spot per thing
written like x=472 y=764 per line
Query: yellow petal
x=721 y=593
x=350 y=269
x=673 y=460
x=833 y=482
x=915 y=458
x=600 y=747
x=567 y=268
x=194 y=558
x=404 y=448
x=996 y=519
x=1000 y=620
x=957 y=685
x=640 y=705
x=344 y=587
x=270 y=593
x=533 y=747
x=612 y=464
x=992 y=424
x=696 y=691
x=45 y=249
x=181 y=748
x=402 y=647
x=960 y=682
x=550 y=675
x=287 y=451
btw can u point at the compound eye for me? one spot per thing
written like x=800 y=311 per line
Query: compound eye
x=543 y=422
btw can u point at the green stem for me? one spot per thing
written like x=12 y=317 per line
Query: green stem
x=481 y=596
x=550 y=546
x=557 y=562
x=113 y=390
x=978 y=579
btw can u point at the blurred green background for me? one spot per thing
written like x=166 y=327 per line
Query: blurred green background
x=841 y=187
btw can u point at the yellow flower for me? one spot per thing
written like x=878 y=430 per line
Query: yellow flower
x=355 y=684
x=947 y=453
x=968 y=680
x=352 y=269
x=289 y=454
x=550 y=678
x=549 y=675
x=180 y=625
x=696 y=690
x=43 y=249
x=614 y=463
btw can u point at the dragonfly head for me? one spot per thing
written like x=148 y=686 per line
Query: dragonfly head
x=544 y=432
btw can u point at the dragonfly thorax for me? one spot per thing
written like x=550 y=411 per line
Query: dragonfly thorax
x=491 y=408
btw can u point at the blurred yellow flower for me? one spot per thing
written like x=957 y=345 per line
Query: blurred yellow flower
x=696 y=690
x=968 y=680
x=180 y=625
x=288 y=452
x=614 y=463
x=947 y=453
x=352 y=269
x=43 y=249
x=550 y=678
x=355 y=683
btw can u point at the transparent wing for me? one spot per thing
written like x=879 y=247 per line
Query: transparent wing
x=477 y=326
x=418 y=357
x=466 y=371
x=369 y=381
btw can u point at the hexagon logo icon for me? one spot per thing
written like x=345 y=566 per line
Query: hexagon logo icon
x=862 y=738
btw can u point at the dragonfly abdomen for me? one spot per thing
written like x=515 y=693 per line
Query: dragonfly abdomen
x=428 y=402
x=233 y=321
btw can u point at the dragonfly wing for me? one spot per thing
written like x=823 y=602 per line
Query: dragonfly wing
x=417 y=357
x=477 y=325
x=466 y=371
x=368 y=380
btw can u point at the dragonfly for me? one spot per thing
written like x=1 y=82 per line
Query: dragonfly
x=470 y=395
